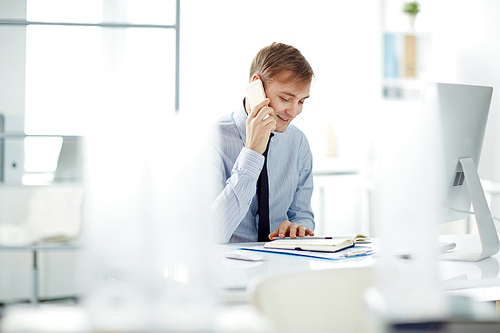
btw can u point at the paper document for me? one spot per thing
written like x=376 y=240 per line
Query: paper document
x=356 y=251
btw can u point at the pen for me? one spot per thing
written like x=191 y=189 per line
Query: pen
x=306 y=237
x=358 y=253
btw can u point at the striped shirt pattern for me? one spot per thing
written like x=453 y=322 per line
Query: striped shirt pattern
x=290 y=180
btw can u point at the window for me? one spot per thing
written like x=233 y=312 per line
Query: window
x=85 y=58
x=74 y=70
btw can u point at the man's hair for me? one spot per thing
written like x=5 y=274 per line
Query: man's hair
x=279 y=59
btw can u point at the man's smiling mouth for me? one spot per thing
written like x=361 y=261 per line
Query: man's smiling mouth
x=282 y=119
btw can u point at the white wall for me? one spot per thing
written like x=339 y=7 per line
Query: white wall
x=12 y=65
x=340 y=39
x=12 y=84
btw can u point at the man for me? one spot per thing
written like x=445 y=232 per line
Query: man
x=244 y=136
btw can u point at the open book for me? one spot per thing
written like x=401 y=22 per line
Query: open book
x=357 y=238
x=323 y=244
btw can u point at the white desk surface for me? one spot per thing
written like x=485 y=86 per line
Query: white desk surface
x=480 y=280
x=232 y=278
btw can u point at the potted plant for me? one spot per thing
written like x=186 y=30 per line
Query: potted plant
x=411 y=9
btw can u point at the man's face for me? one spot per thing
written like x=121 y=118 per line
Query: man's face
x=287 y=99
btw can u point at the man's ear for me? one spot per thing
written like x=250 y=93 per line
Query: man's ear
x=256 y=77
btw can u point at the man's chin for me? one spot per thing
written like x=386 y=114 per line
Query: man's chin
x=281 y=128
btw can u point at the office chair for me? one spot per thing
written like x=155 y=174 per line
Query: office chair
x=330 y=300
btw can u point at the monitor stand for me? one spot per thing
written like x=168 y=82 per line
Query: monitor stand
x=485 y=224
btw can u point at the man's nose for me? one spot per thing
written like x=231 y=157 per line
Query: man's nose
x=293 y=111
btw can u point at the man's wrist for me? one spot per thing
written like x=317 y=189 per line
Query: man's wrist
x=250 y=161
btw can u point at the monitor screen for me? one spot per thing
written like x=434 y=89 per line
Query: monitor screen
x=452 y=128
x=456 y=117
x=459 y=114
x=429 y=175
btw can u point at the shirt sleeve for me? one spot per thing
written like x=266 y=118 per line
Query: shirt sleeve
x=233 y=202
x=300 y=210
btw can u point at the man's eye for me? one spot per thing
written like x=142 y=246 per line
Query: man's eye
x=285 y=100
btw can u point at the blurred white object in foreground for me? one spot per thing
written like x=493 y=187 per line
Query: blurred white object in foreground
x=145 y=225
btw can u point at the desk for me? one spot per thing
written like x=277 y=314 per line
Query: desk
x=231 y=278
x=479 y=280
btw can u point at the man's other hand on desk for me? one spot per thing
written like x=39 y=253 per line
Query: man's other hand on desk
x=289 y=229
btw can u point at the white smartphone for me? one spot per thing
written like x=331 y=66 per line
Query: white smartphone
x=255 y=93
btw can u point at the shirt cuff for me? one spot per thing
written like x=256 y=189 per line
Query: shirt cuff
x=250 y=162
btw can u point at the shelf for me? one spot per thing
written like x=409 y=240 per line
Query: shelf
x=406 y=59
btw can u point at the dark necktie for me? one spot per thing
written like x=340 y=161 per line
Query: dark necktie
x=263 y=199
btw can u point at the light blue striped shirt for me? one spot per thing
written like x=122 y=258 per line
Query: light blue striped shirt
x=289 y=167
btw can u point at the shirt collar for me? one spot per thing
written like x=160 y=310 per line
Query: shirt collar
x=240 y=119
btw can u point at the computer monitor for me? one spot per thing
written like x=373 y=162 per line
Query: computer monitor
x=455 y=119
x=70 y=161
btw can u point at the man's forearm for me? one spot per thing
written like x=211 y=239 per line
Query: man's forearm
x=232 y=204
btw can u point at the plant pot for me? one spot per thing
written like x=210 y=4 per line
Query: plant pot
x=411 y=21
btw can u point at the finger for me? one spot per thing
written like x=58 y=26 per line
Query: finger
x=293 y=230
x=268 y=121
x=269 y=124
x=258 y=107
x=301 y=231
x=283 y=228
x=265 y=113
x=309 y=232
x=272 y=126
x=273 y=235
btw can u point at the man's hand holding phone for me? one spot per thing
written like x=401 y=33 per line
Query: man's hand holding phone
x=260 y=124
